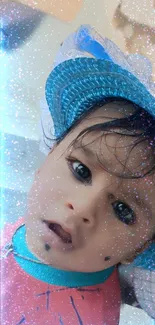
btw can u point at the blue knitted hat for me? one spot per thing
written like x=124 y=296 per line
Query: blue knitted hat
x=88 y=70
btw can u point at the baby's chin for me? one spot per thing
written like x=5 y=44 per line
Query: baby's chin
x=69 y=267
x=61 y=261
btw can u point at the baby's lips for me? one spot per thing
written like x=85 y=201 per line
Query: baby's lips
x=61 y=231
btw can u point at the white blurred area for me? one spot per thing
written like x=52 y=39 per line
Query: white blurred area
x=134 y=316
x=22 y=81
x=24 y=72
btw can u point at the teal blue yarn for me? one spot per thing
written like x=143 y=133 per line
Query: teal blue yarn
x=75 y=86
x=146 y=260
x=48 y=273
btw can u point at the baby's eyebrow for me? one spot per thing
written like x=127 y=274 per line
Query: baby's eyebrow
x=141 y=202
x=89 y=152
x=137 y=198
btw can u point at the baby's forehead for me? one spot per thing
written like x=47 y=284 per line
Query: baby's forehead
x=98 y=115
x=114 y=151
x=114 y=109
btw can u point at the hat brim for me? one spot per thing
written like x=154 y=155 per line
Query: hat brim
x=75 y=86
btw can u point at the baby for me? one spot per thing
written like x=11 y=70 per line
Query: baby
x=91 y=206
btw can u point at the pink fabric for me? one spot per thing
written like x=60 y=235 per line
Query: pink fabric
x=26 y=300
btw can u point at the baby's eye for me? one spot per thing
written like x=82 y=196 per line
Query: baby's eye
x=80 y=171
x=124 y=213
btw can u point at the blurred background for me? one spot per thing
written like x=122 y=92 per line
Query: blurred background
x=30 y=36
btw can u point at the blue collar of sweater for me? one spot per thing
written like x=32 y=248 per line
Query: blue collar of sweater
x=49 y=274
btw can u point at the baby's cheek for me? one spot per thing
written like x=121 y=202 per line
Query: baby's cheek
x=139 y=236
x=112 y=245
x=35 y=198
x=122 y=244
x=43 y=197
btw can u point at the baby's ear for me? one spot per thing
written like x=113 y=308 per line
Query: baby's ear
x=52 y=149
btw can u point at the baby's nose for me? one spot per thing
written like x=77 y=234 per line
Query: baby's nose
x=83 y=215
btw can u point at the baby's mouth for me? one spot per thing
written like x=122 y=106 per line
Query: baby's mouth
x=59 y=231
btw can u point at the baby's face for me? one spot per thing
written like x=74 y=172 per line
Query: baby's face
x=82 y=218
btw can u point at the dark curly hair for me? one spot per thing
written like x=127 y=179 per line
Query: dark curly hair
x=139 y=126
